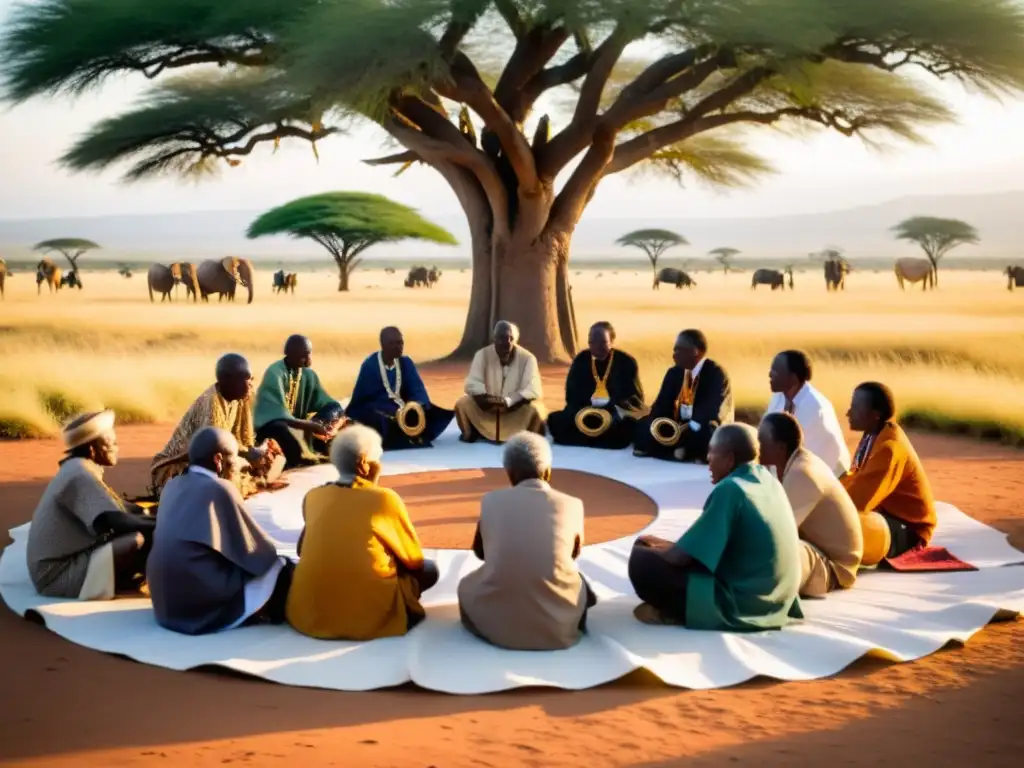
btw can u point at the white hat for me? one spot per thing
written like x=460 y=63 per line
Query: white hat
x=87 y=427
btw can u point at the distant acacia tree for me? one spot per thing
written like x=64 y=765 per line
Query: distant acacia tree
x=653 y=242
x=346 y=224
x=937 y=237
x=71 y=248
x=626 y=84
x=724 y=256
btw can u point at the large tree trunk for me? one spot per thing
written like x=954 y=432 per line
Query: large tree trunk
x=531 y=290
x=342 y=277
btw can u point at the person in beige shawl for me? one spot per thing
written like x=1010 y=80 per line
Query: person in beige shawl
x=503 y=391
x=227 y=405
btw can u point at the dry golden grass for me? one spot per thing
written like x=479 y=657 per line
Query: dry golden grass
x=951 y=356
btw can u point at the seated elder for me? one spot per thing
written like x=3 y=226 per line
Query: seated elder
x=529 y=594
x=361 y=570
x=85 y=542
x=504 y=394
x=887 y=481
x=293 y=408
x=738 y=566
x=227 y=404
x=212 y=566
x=695 y=397
x=603 y=395
x=831 y=539
x=389 y=395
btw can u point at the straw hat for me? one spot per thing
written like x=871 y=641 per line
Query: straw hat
x=87 y=427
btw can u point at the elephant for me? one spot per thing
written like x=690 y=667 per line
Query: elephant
x=433 y=276
x=71 y=280
x=1014 y=278
x=915 y=270
x=675 y=277
x=417 y=277
x=836 y=271
x=223 y=278
x=49 y=273
x=125 y=272
x=163 y=279
x=285 y=281
x=772 y=277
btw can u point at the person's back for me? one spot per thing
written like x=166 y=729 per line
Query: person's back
x=195 y=589
x=346 y=585
x=528 y=594
x=754 y=567
x=826 y=516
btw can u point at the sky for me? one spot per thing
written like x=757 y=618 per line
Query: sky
x=821 y=172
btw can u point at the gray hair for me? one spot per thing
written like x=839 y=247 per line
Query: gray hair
x=526 y=455
x=207 y=443
x=230 y=364
x=352 y=443
x=505 y=325
x=738 y=439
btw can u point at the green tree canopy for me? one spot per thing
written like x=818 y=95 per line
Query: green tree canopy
x=70 y=247
x=653 y=242
x=523 y=106
x=724 y=256
x=346 y=224
x=936 y=236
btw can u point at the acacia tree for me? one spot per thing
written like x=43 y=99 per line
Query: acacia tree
x=346 y=224
x=653 y=242
x=724 y=256
x=937 y=237
x=71 y=248
x=653 y=83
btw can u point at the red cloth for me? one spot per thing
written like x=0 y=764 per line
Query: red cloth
x=923 y=559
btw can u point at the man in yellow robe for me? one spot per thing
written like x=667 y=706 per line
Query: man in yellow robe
x=503 y=391
x=361 y=571
x=227 y=404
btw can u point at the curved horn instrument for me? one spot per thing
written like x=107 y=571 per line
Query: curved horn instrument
x=593 y=422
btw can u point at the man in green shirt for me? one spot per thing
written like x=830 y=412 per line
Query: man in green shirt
x=293 y=408
x=738 y=566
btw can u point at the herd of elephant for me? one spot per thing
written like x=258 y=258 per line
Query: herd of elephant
x=212 y=277
x=222 y=277
x=907 y=270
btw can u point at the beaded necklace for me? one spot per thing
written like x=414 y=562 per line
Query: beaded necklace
x=601 y=386
x=393 y=394
x=294 y=378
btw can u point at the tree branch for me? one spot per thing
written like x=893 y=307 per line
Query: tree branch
x=400 y=158
x=470 y=89
x=532 y=52
x=510 y=13
x=629 y=153
x=580 y=131
x=436 y=151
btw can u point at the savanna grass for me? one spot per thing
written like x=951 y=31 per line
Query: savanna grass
x=954 y=358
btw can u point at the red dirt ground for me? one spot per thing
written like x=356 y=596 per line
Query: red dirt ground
x=68 y=706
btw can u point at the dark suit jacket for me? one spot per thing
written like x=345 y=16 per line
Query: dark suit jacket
x=711 y=402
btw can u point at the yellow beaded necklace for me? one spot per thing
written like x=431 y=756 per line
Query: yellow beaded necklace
x=601 y=386
x=294 y=379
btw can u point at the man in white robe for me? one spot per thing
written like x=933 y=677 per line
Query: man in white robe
x=503 y=391
x=790 y=379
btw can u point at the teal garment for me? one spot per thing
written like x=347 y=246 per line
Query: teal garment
x=747 y=539
x=273 y=390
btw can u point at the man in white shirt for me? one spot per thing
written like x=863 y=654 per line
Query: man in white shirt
x=790 y=379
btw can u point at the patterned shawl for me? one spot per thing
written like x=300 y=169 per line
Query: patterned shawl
x=209 y=410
